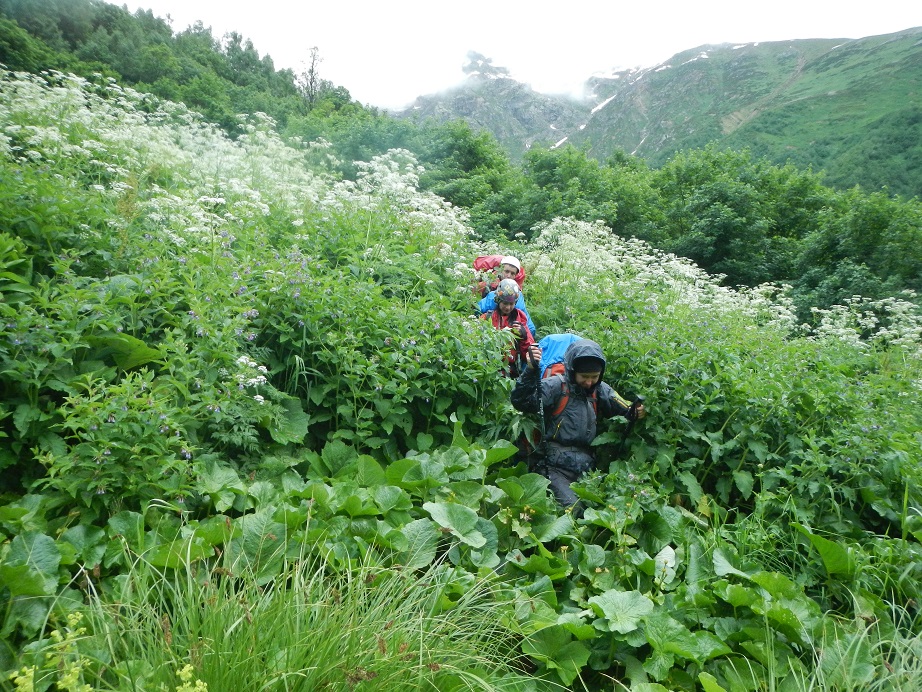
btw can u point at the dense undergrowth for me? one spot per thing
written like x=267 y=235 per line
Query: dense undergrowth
x=236 y=390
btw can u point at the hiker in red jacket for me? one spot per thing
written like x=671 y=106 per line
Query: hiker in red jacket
x=508 y=316
x=494 y=268
x=570 y=403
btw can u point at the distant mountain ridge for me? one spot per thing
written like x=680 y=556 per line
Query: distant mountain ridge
x=851 y=107
x=490 y=99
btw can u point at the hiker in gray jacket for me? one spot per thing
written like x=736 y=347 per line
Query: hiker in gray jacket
x=571 y=403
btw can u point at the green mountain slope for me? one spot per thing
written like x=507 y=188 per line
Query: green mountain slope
x=491 y=100
x=850 y=107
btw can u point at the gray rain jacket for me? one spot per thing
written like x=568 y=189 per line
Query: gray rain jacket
x=570 y=433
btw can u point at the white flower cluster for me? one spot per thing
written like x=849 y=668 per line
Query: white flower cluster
x=127 y=140
x=867 y=323
x=252 y=375
x=390 y=182
x=590 y=256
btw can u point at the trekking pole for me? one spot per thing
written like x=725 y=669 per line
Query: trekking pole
x=631 y=419
x=531 y=359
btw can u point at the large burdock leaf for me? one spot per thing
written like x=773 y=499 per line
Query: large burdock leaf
x=723 y=564
x=459 y=520
x=221 y=484
x=178 y=553
x=620 y=611
x=500 y=451
x=555 y=648
x=423 y=540
x=669 y=636
x=547 y=532
x=30 y=567
x=260 y=548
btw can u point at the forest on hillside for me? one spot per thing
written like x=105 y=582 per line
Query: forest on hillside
x=731 y=213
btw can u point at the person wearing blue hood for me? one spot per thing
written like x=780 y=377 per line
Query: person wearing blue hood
x=570 y=403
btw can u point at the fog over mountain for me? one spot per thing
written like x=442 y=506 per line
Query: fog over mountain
x=824 y=103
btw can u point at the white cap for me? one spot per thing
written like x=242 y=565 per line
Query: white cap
x=510 y=260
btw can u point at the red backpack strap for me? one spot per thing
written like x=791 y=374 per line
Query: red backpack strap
x=565 y=399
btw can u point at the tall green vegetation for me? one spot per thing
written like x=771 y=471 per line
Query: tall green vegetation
x=230 y=375
x=731 y=212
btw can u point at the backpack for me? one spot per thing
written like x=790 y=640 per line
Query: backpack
x=553 y=348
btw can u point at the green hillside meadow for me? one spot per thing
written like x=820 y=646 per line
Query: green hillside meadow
x=254 y=439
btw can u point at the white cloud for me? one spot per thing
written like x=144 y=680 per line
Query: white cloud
x=388 y=53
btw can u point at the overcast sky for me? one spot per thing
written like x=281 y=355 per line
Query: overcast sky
x=388 y=52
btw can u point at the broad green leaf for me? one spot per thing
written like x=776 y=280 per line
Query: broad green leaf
x=358 y=506
x=665 y=561
x=424 y=441
x=655 y=532
x=428 y=473
x=216 y=530
x=23 y=580
x=744 y=483
x=260 y=547
x=658 y=664
x=397 y=470
x=24 y=415
x=709 y=683
x=837 y=559
x=88 y=541
x=129 y=525
x=708 y=645
x=555 y=648
x=221 y=484
x=176 y=554
x=292 y=425
x=695 y=492
x=29 y=613
x=423 y=540
x=486 y=555
x=622 y=610
x=336 y=454
x=737 y=595
x=500 y=451
x=577 y=626
x=458 y=439
x=759 y=449
x=459 y=520
x=547 y=532
x=723 y=566
x=848 y=662
x=390 y=498
x=666 y=634
x=30 y=566
x=369 y=472
x=697 y=567
x=263 y=494
x=318 y=393
x=530 y=489
x=554 y=567
x=127 y=351
x=742 y=673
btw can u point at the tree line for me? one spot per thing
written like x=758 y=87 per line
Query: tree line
x=734 y=214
